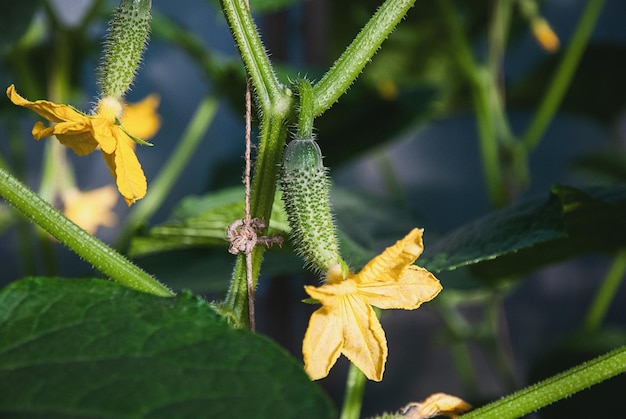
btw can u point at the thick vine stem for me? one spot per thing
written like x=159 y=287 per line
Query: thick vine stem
x=270 y=94
x=272 y=140
x=102 y=257
x=349 y=65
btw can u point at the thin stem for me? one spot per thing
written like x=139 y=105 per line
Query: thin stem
x=555 y=388
x=305 y=114
x=350 y=64
x=170 y=173
x=606 y=293
x=78 y=240
x=269 y=91
x=248 y=219
x=489 y=149
x=490 y=116
x=563 y=76
x=271 y=143
x=353 y=399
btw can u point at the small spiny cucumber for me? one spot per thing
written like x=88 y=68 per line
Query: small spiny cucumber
x=305 y=186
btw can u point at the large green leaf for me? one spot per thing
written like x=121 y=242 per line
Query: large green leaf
x=91 y=348
x=202 y=221
x=532 y=234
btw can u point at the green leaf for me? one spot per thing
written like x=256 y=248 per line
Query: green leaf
x=532 y=234
x=608 y=166
x=15 y=19
x=202 y=221
x=92 y=348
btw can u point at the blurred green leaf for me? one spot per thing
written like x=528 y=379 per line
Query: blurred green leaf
x=592 y=91
x=92 y=348
x=202 y=221
x=605 y=165
x=15 y=20
x=532 y=234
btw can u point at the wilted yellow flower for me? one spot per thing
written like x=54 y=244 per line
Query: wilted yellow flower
x=91 y=209
x=84 y=133
x=544 y=34
x=438 y=404
x=347 y=324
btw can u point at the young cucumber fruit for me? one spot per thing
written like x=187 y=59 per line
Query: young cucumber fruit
x=305 y=186
x=126 y=39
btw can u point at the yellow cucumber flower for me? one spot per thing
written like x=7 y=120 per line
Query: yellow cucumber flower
x=84 y=133
x=91 y=209
x=141 y=119
x=347 y=324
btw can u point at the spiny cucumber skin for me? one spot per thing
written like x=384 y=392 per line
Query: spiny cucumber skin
x=305 y=185
x=126 y=38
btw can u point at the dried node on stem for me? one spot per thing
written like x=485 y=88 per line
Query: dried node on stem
x=244 y=236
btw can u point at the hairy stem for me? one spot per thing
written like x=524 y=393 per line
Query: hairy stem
x=102 y=257
x=267 y=88
x=350 y=64
x=555 y=388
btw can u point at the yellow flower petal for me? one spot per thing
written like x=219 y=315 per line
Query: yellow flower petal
x=83 y=134
x=416 y=286
x=347 y=319
x=438 y=404
x=74 y=135
x=364 y=342
x=322 y=342
x=390 y=264
x=141 y=119
x=51 y=111
x=91 y=209
x=127 y=172
x=106 y=134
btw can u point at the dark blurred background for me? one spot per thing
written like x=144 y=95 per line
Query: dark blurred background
x=404 y=138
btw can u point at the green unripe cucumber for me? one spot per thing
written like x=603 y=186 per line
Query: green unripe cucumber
x=305 y=185
x=126 y=39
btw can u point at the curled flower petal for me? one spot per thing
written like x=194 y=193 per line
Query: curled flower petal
x=127 y=172
x=391 y=263
x=51 y=111
x=84 y=133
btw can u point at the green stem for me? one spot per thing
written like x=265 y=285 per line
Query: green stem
x=197 y=127
x=353 y=399
x=487 y=98
x=269 y=92
x=458 y=328
x=563 y=76
x=305 y=113
x=606 y=293
x=350 y=64
x=78 y=240
x=555 y=388
x=271 y=143
x=489 y=149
